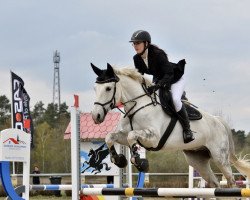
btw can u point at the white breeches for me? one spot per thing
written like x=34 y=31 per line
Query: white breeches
x=177 y=90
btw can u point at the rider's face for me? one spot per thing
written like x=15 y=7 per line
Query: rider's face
x=138 y=46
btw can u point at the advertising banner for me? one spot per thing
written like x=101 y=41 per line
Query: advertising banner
x=14 y=145
x=21 y=117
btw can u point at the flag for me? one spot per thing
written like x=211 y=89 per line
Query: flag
x=76 y=103
x=17 y=104
x=27 y=120
x=21 y=118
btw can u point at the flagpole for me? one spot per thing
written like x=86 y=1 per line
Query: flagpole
x=12 y=122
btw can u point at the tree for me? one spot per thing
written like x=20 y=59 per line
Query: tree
x=64 y=110
x=61 y=147
x=38 y=112
x=248 y=139
x=51 y=151
x=239 y=139
x=51 y=115
x=41 y=154
x=60 y=150
x=5 y=110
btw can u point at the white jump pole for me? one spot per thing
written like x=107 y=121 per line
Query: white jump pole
x=190 y=177
x=75 y=149
x=223 y=183
x=248 y=185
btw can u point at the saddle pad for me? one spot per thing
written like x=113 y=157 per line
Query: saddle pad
x=168 y=107
x=193 y=113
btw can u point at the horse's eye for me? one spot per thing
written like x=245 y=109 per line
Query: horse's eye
x=108 y=89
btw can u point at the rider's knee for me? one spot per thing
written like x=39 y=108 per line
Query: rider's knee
x=177 y=104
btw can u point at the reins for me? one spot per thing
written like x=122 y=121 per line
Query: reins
x=128 y=113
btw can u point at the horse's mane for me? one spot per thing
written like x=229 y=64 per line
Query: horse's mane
x=133 y=74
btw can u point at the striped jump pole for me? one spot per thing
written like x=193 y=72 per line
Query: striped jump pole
x=169 y=192
x=236 y=182
x=68 y=187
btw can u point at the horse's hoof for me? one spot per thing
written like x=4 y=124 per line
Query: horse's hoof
x=142 y=165
x=120 y=161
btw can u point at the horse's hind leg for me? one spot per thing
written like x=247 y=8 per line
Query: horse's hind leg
x=121 y=138
x=221 y=159
x=200 y=160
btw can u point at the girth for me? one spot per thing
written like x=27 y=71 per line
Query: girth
x=165 y=136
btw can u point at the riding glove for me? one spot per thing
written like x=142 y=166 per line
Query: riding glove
x=164 y=84
x=153 y=88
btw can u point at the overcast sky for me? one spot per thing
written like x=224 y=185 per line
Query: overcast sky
x=213 y=36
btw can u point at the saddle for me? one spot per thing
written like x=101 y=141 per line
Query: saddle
x=168 y=106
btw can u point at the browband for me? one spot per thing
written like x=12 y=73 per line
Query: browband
x=113 y=79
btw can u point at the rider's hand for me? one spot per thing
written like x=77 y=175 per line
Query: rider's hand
x=164 y=84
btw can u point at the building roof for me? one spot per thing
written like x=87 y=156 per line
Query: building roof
x=89 y=130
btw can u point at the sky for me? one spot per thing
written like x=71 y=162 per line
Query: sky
x=212 y=35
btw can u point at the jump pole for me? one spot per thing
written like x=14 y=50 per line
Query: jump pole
x=68 y=187
x=170 y=192
x=236 y=182
x=75 y=149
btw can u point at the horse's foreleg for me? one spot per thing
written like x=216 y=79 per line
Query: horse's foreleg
x=148 y=138
x=118 y=159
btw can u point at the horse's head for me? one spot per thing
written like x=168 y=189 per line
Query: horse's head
x=107 y=92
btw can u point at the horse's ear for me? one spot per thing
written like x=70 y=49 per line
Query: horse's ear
x=96 y=70
x=110 y=70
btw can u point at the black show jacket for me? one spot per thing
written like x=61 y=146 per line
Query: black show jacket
x=163 y=71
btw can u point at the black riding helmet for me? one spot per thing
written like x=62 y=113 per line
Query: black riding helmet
x=141 y=36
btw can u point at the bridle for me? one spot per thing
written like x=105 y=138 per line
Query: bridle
x=112 y=101
x=128 y=113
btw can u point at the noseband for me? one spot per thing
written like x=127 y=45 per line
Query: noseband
x=112 y=101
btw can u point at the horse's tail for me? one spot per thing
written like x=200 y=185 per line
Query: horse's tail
x=242 y=164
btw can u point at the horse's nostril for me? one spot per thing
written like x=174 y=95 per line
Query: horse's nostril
x=98 y=116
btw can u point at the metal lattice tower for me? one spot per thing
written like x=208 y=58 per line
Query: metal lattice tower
x=56 y=85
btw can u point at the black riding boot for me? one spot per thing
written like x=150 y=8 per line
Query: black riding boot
x=183 y=118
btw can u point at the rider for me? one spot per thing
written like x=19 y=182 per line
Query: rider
x=152 y=60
